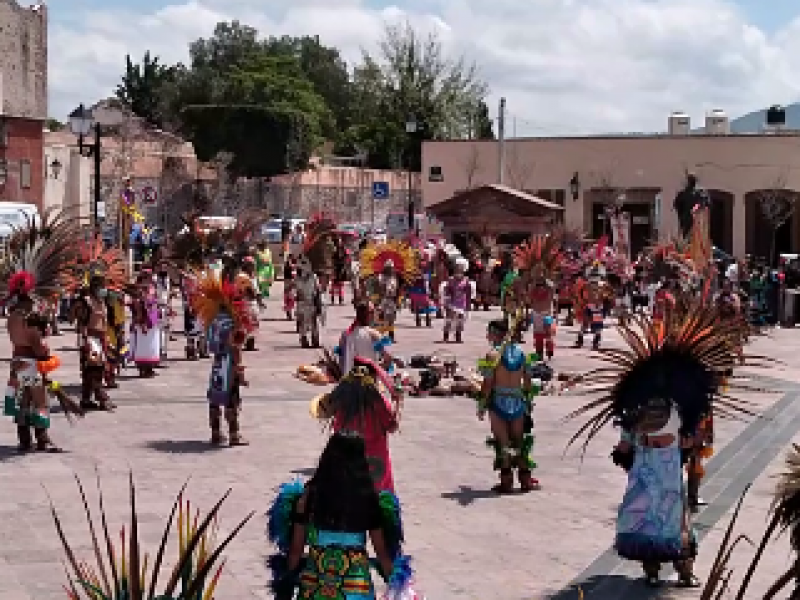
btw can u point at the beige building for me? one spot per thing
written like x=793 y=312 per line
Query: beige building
x=742 y=173
x=67 y=179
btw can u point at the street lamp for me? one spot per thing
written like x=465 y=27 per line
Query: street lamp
x=575 y=186
x=411 y=130
x=55 y=168
x=81 y=123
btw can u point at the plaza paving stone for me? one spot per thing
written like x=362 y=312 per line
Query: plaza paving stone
x=467 y=542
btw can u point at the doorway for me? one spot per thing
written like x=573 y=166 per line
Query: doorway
x=641 y=224
x=758 y=237
x=721 y=220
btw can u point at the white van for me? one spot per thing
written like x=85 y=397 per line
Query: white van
x=16 y=215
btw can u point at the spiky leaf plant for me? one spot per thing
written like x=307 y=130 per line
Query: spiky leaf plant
x=121 y=570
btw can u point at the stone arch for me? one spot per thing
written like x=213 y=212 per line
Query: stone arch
x=758 y=238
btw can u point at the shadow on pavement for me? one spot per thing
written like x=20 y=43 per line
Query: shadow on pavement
x=183 y=446
x=586 y=589
x=466 y=495
x=8 y=453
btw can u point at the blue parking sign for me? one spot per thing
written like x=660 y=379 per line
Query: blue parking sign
x=380 y=190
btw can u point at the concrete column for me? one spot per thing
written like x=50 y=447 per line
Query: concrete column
x=574 y=212
x=668 y=218
x=739 y=245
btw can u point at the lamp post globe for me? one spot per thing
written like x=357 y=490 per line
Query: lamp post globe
x=55 y=168
x=81 y=121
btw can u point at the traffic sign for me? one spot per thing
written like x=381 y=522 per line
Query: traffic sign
x=380 y=190
x=149 y=195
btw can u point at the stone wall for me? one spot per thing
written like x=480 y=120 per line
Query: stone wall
x=346 y=204
x=23 y=60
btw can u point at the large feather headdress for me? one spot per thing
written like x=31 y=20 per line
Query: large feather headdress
x=685 y=361
x=93 y=259
x=542 y=252
x=38 y=259
x=406 y=260
x=214 y=295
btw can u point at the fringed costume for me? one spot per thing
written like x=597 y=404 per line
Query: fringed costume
x=322 y=531
x=226 y=318
x=507 y=394
x=366 y=401
x=537 y=261
x=289 y=291
x=457 y=293
x=32 y=276
x=163 y=291
x=386 y=269
x=96 y=273
x=196 y=343
x=659 y=391
x=591 y=293
x=265 y=269
x=116 y=345
x=145 y=326
x=247 y=288
x=310 y=309
x=341 y=273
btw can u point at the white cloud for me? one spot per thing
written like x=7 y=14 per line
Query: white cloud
x=565 y=66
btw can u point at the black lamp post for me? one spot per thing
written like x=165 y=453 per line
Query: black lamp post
x=411 y=130
x=55 y=168
x=81 y=123
x=575 y=187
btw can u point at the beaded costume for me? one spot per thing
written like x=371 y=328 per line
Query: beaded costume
x=658 y=392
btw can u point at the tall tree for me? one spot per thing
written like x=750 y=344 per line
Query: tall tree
x=142 y=87
x=418 y=79
x=482 y=127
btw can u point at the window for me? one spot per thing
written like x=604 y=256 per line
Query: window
x=25 y=174
x=4 y=132
x=435 y=174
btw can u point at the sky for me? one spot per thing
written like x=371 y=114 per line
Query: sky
x=564 y=66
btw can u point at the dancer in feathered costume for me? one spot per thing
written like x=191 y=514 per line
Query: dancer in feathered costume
x=124 y=572
x=507 y=394
x=537 y=261
x=385 y=270
x=658 y=392
x=457 y=293
x=226 y=317
x=361 y=340
x=145 y=330
x=334 y=515
x=96 y=272
x=366 y=401
x=247 y=288
x=310 y=309
x=32 y=277
x=319 y=247
x=265 y=269
x=164 y=294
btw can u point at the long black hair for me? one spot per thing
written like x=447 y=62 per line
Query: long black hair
x=357 y=401
x=342 y=496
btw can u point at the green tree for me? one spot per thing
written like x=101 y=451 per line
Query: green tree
x=143 y=86
x=412 y=76
x=324 y=67
x=482 y=127
x=54 y=124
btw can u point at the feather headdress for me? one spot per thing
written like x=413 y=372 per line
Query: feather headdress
x=247 y=228
x=122 y=572
x=40 y=257
x=406 y=260
x=213 y=296
x=541 y=252
x=684 y=361
x=669 y=259
x=93 y=259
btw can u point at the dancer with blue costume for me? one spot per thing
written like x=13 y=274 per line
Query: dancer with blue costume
x=658 y=392
x=507 y=395
x=322 y=531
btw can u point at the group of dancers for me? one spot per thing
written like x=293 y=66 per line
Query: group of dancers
x=662 y=392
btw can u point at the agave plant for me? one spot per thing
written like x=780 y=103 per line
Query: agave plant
x=784 y=516
x=121 y=570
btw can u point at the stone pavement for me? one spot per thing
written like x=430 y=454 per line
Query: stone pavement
x=467 y=542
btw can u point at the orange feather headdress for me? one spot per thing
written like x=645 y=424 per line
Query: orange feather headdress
x=406 y=260
x=94 y=260
x=213 y=296
x=542 y=252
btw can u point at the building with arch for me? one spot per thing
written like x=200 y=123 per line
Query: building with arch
x=745 y=175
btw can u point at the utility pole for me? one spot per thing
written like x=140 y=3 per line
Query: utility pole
x=501 y=140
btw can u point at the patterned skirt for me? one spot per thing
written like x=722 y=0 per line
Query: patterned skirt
x=335 y=572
